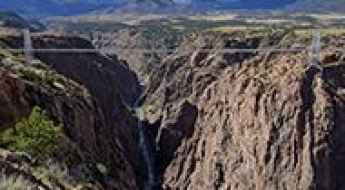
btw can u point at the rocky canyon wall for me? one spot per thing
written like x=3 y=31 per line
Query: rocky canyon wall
x=92 y=102
x=248 y=121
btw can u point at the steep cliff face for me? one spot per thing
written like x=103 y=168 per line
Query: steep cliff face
x=93 y=110
x=249 y=121
x=68 y=103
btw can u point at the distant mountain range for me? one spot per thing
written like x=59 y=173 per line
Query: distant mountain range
x=41 y=8
x=318 y=5
x=12 y=20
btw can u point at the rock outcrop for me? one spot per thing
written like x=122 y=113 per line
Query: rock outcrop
x=254 y=121
x=94 y=110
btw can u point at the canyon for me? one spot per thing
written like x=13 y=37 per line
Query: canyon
x=202 y=120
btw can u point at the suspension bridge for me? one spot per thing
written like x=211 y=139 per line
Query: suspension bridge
x=314 y=50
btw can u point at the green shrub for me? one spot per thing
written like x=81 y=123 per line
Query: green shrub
x=30 y=75
x=36 y=135
x=39 y=76
x=14 y=183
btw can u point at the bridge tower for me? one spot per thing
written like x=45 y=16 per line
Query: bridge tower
x=27 y=46
x=315 y=49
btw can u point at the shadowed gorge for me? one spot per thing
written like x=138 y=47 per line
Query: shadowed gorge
x=178 y=103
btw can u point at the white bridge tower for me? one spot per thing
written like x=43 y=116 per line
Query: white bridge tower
x=27 y=46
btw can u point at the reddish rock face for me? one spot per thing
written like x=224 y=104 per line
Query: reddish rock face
x=13 y=106
x=264 y=122
x=175 y=131
x=92 y=110
x=83 y=122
